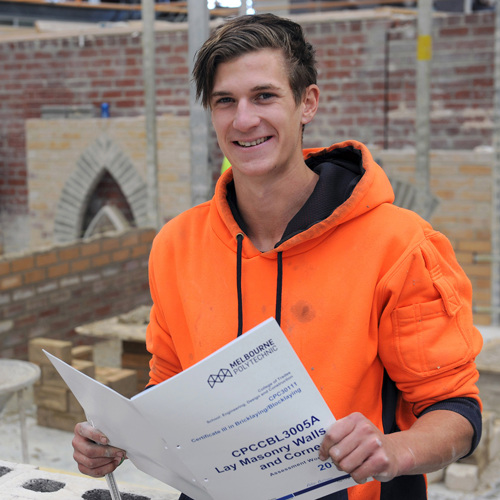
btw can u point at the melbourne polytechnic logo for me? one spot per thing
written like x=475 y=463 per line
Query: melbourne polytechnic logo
x=219 y=378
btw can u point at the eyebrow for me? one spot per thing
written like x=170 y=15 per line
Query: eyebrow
x=257 y=88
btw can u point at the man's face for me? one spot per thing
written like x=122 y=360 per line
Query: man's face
x=256 y=119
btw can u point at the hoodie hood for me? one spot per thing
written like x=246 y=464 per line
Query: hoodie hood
x=371 y=189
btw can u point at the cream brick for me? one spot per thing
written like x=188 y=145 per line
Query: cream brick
x=84 y=366
x=54 y=419
x=83 y=352
x=50 y=376
x=52 y=398
x=494 y=444
x=462 y=477
x=120 y=380
x=59 y=348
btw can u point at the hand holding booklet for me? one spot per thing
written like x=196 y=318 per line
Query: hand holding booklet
x=246 y=422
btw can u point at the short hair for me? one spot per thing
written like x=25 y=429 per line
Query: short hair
x=251 y=33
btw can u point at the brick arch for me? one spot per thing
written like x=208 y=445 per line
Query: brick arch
x=405 y=196
x=103 y=154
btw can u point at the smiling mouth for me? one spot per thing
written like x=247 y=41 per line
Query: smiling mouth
x=253 y=143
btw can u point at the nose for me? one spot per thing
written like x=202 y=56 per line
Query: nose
x=246 y=116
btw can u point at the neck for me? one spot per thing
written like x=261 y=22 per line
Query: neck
x=267 y=207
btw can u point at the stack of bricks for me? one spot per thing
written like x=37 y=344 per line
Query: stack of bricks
x=56 y=406
x=474 y=473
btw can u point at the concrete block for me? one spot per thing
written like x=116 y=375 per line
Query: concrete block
x=488 y=364
x=494 y=446
x=58 y=348
x=435 y=477
x=40 y=484
x=480 y=457
x=8 y=470
x=108 y=353
x=462 y=477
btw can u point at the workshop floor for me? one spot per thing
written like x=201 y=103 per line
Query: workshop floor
x=50 y=449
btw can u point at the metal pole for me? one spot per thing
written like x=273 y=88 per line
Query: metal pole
x=22 y=421
x=424 y=57
x=197 y=33
x=149 y=73
x=495 y=195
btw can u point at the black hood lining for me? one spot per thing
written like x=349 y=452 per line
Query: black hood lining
x=339 y=172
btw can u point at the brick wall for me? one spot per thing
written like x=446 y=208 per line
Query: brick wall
x=366 y=62
x=49 y=292
x=366 y=72
x=81 y=150
x=79 y=70
x=367 y=76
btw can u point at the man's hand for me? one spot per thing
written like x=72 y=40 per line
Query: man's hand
x=92 y=452
x=358 y=447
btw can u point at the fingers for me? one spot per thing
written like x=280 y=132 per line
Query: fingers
x=336 y=434
x=94 y=459
x=87 y=431
x=358 y=447
x=96 y=467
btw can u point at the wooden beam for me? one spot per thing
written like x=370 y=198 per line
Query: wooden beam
x=181 y=7
x=328 y=5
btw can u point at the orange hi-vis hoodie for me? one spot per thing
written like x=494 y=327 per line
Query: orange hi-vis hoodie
x=368 y=294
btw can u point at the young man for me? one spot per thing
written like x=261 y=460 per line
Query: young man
x=369 y=295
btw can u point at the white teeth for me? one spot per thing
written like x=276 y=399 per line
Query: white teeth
x=253 y=143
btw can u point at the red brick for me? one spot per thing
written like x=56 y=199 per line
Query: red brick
x=80 y=265
x=4 y=268
x=69 y=253
x=90 y=249
x=121 y=255
x=58 y=270
x=147 y=236
x=110 y=244
x=141 y=250
x=45 y=259
x=12 y=281
x=101 y=260
x=23 y=263
x=129 y=239
x=35 y=276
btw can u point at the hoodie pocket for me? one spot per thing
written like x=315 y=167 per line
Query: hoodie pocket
x=428 y=339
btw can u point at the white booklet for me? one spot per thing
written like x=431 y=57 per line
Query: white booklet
x=245 y=422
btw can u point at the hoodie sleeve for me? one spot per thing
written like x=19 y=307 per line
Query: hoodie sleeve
x=428 y=343
x=164 y=361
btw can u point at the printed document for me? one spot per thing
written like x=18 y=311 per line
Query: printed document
x=246 y=422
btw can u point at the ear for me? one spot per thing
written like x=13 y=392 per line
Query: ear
x=310 y=103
